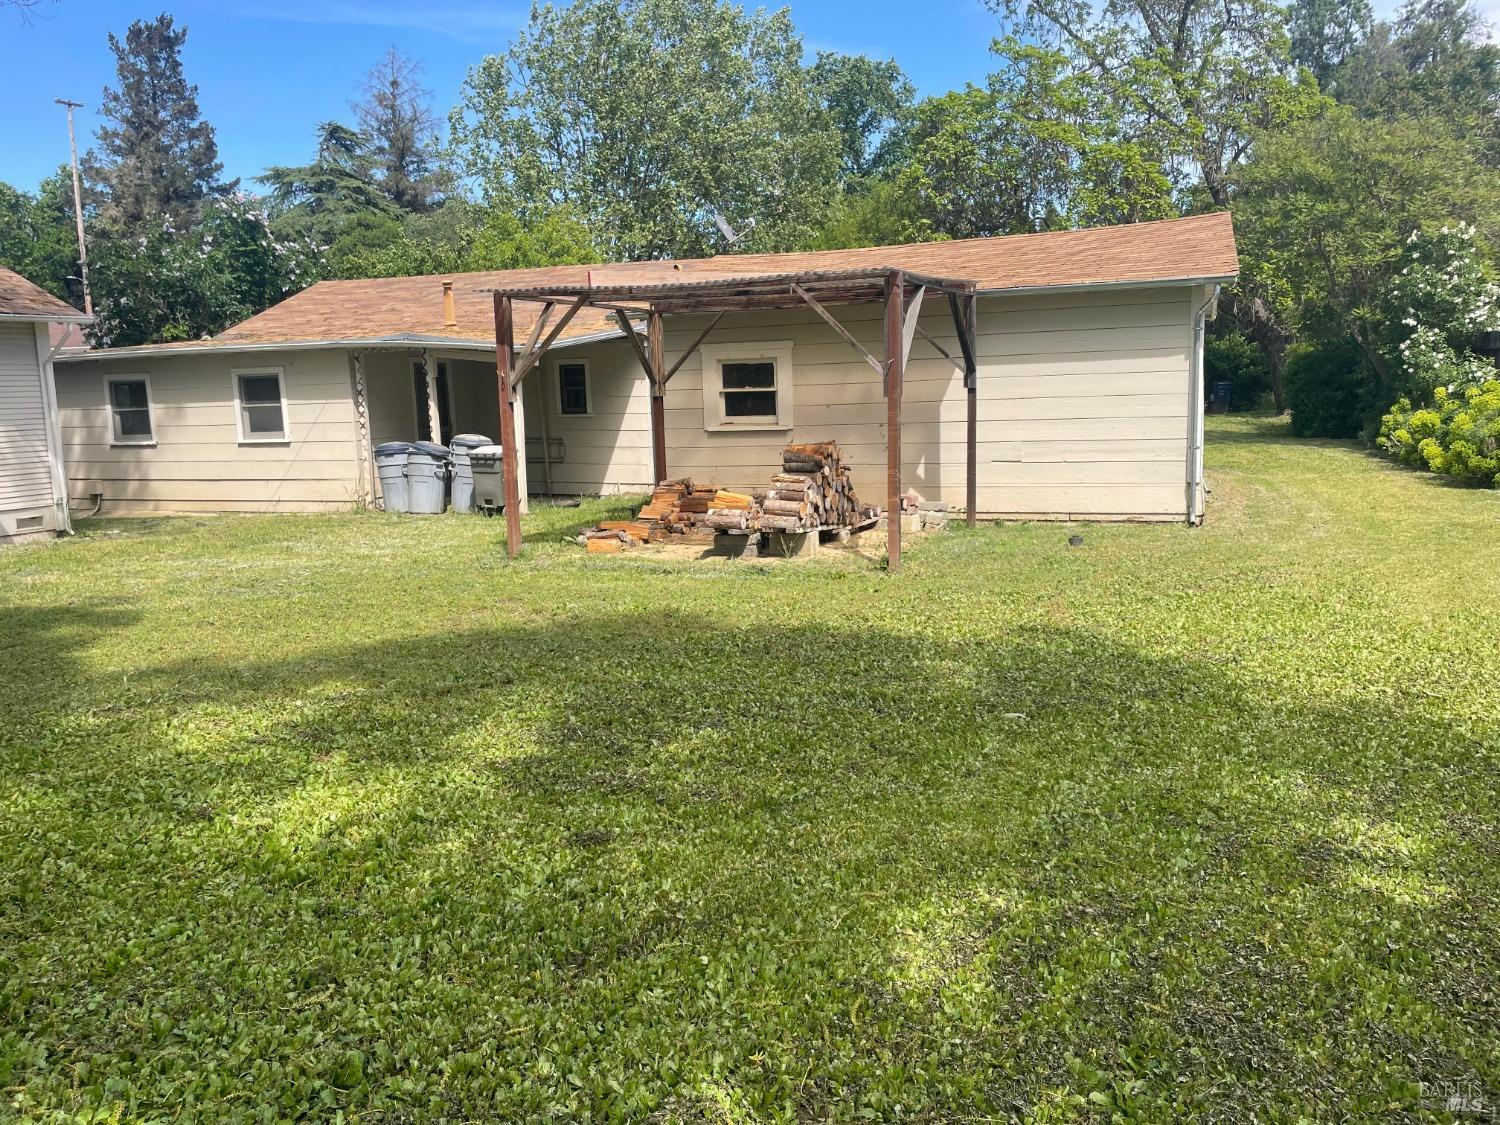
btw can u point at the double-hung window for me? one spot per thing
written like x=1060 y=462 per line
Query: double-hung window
x=573 y=388
x=747 y=386
x=260 y=404
x=130 y=410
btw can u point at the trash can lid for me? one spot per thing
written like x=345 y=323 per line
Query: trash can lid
x=487 y=451
x=431 y=448
x=392 y=448
x=467 y=441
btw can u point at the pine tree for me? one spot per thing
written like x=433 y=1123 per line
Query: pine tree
x=395 y=116
x=157 y=159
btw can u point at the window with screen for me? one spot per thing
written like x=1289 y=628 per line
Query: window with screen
x=130 y=410
x=747 y=386
x=262 y=411
x=573 y=388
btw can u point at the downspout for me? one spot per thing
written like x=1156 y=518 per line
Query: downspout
x=52 y=424
x=1196 y=411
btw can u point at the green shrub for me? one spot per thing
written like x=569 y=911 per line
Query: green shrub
x=1330 y=389
x=1458 y=436
x=1231 y=357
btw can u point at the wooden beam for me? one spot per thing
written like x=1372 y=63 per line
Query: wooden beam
x=894 y=288
x=942 y=351
x=698 y=343
x=880 y=368
x=505 y=344
x=635 y=344
x=536 y=329
x=529 y=360
x=909 y=327
x=655 y=350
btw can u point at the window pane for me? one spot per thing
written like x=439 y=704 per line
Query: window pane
x=574 y=384
x=762 y=373
x=263 y=420
x=260 y=388
x=133 y=423
x=128 y=395
x=749 y=404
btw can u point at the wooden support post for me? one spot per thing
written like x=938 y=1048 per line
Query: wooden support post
x=655 y=334
x=505 y=345
x=895 y=286
x=964 y=318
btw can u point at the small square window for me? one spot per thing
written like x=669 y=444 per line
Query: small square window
x=130 y=411
x=747 y=386
x=261 y=415
x=573 y=385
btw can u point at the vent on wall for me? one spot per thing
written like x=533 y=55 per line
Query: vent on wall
x=29 y=523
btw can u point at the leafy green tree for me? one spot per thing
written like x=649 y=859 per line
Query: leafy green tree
x=1190 y=79
x=1433 y=59
x=394 y=113
x=168 y=284
x=973 y=170
x=37 y=237
x=866 y=99
x=1325 y=208
x=645 y=117
x=877 y=214
x=1325 y=33
x=157 y=158
x=322 y=200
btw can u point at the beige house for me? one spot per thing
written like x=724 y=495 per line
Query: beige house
x=1089 y=350
x=33 y=489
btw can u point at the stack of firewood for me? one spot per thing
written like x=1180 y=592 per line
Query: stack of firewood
x=732 y=511
x=814 y=489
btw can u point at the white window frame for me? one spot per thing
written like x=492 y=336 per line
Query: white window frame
x=115 y=438
x=588 y=388
x=777 y=352
x=239 y=407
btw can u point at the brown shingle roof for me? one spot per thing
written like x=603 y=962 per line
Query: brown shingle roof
x=20 y=298
x=411 y=308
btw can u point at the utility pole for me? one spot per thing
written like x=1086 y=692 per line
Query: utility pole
x=83 y=252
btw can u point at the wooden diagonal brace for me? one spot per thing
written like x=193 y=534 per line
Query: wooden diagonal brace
x=640 y=352
x=839 y=328
x=529 y=360
x=942 y=351
x=698 y=343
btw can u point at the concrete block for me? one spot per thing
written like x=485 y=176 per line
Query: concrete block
x=791 y=544
x=737 y=546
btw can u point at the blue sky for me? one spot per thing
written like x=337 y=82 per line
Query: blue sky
x=269 y=70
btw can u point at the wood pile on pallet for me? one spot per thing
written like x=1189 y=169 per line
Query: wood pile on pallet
x=813 y=490
x=732 y=511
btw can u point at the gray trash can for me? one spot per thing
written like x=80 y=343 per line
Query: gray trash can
x=489 y=478
x=390 y=465
x=463 y=476
x=426 y=477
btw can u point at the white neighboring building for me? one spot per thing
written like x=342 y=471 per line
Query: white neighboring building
x=33 y=482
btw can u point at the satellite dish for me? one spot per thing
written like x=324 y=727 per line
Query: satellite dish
x=730 y=237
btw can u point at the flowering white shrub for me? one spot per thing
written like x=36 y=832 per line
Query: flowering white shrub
x=1444 y=299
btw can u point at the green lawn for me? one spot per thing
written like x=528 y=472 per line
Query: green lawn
x=310 y=814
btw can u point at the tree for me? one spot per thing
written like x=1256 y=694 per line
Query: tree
x=37 y=238
x=1325 y=33
x=1193 y=79
x=322 y=200
x=645 y=117
x=866 y=99
x=394 y=114
x=171 y=284
x=157 y=158
x=1326 y=206
x=1432 y=60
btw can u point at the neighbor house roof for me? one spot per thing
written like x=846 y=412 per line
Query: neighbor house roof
x=21 y=300
x=408 y=311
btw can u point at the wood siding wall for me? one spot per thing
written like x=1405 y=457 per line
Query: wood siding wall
x=198 y=462
x=609 y=449
x=28 y=503
x=1083 y=403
